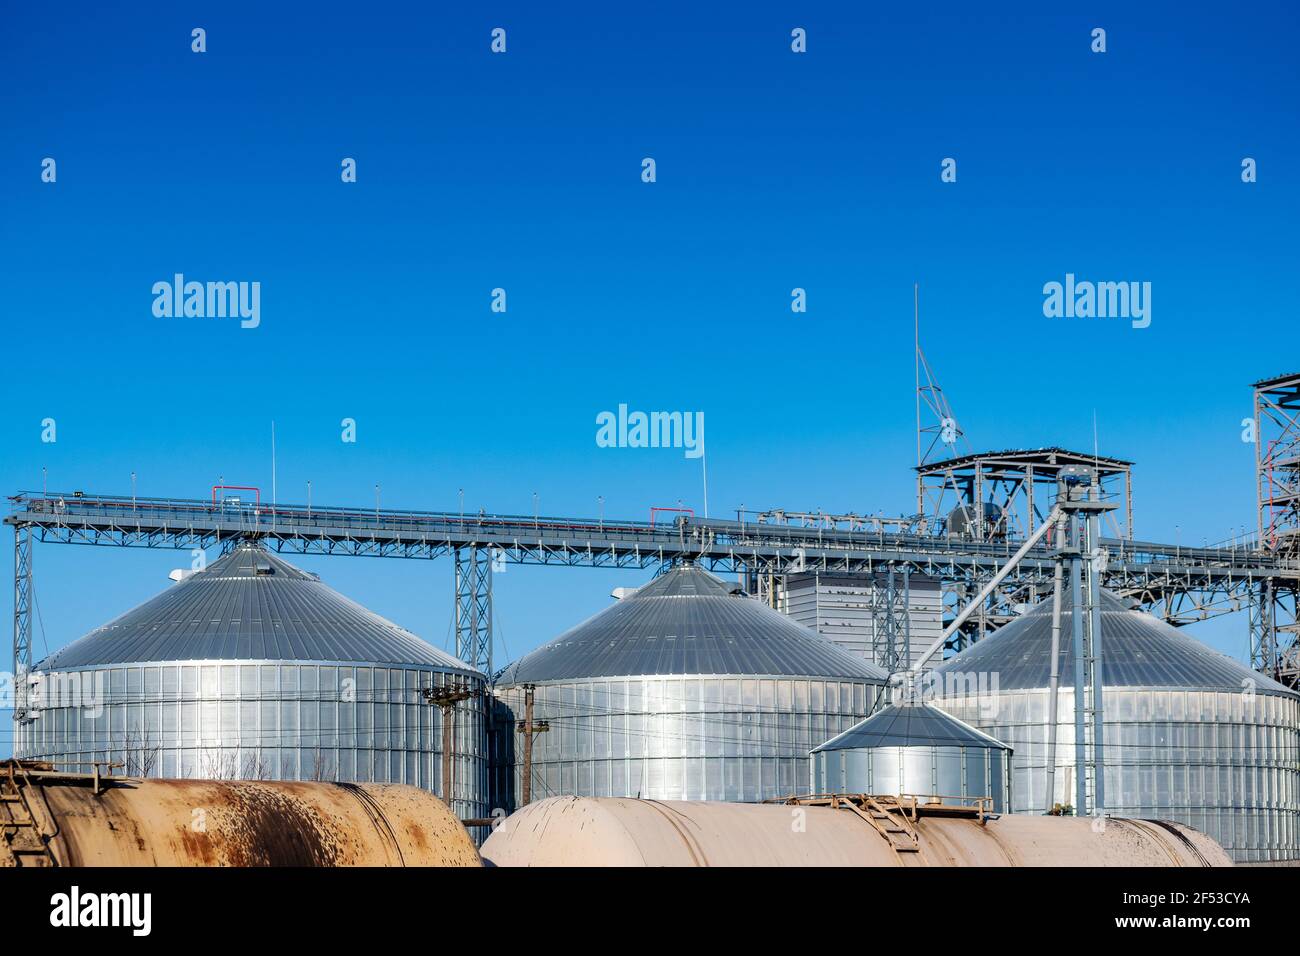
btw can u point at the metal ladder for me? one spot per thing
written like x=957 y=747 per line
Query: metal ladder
x=888 y=815
x=23 y=841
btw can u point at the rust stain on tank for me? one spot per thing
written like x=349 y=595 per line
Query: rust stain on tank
x=269 y=827
x=252 y=823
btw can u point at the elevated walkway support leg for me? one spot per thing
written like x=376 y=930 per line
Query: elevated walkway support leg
x=474 y=607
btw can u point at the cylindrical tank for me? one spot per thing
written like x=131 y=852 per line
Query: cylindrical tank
x=914 y=748
x=585 y=831
x=254 y=669
x=682 y=690
x=240 y=823
x=1190 y=734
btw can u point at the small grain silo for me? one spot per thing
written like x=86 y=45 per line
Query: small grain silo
x=1189 y=734
x=254 y=669
x=914 y=748
x=687 y=689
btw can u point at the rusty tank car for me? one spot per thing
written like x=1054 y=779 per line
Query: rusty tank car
x=49 y=818
x=841 y=830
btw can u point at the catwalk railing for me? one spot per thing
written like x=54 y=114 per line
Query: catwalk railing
x=1180 y=583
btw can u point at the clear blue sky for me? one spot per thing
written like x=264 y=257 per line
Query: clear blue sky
x=522 y=171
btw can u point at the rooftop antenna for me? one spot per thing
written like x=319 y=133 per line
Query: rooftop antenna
x=1096 y=454
x=704 y=462
x=273 y=499
x=916 y=326
x=945 y=431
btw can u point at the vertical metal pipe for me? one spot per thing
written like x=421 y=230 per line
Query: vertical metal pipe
x=528 y=745
x=447 y=710
x=1054 y=685
x=1097 y=670
x=1128 y=504
x=907 y=617
x=1076 y=620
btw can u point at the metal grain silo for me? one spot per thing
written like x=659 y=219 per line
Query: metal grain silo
x=1189 y=734
x=254 y=669
x=914 y=748
x=686 y=689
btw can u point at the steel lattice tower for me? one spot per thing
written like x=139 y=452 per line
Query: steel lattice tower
x=1275 y=636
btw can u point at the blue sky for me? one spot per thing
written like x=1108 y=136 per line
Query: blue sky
x=522 y=171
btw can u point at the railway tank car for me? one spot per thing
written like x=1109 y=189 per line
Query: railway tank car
x=49 y=818
x=586 y=831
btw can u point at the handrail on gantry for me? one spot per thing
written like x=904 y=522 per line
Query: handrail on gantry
x=258 y=492
x=732 y=539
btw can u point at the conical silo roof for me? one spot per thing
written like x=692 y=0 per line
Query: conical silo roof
x=1138 y=650
x=911 y=724
x=686 y=621
x=251 y=604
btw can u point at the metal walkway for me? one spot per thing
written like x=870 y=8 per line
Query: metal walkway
x=1180 y=584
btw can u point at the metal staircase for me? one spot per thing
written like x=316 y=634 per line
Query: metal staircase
x=24 y=840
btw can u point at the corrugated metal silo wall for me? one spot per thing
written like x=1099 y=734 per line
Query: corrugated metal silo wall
x=270 y=720
x=966 y=772
x=1227 y=764
x=741 y=738
x=502 y=750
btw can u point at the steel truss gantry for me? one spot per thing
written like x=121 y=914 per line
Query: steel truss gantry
x=1006 y=493
x=1180 y=583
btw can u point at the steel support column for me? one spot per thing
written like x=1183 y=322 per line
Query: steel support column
x=474 y=608
x=1096 y=659
x=1079 y=656
x=1263 y=630
x=891 y=629
x=22 y=618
